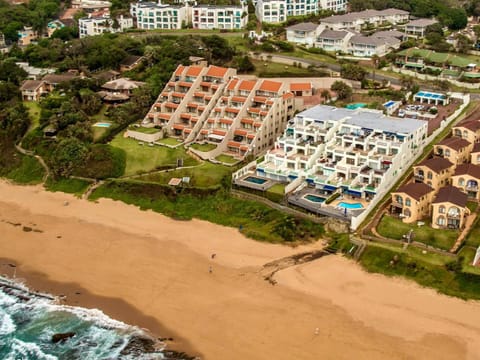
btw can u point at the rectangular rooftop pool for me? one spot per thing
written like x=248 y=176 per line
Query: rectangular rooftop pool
x=255 y=180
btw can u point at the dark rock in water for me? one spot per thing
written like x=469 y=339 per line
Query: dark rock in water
x=139 y=345
x=61 y=337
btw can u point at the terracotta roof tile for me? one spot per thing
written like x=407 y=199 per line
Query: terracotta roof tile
x=472 y=125
x=232 y=83
x=287 y=96
x=179 y=70
x=194 y=71
x=247 y=85
x=436 y=164
x=216 y=71
x=452 y=195
x=468 y=169
x=415 y=190
x=300 y=86
x=270 y=86
x=454 y=143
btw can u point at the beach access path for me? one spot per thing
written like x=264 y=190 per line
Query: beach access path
x=152 y=271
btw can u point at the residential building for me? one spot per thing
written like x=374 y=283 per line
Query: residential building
x=131 y=62
x=475 y=154
x=301 y=89
x=53 y=80
x=99 y=25
x=467 y=178
x=107 y=75
x=434 y=172
x=366 y=46
x=334 y=5
x=119 y=90
x=220 y=17
x=151 y=15
x=33 y=72
x=303 y=33
x=468 y=130
x=271 y=11
x=456 y=150
x=304 y=7
x=449 y=209
x=352 y=151
x=416 y=28
x=53 y=26
x=411 y=202
x=334 y=40
x=26 y=36
x=357 y=21
x=32 y=90
x=210 y=105
x=91 y=5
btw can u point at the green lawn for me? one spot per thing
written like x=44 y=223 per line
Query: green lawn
x=272 y=69
x=393 y=261
x=472 y=206
x=98 y=132
x=29 y=172
x=144 y=130
x=277 y=189
x=468 y=254
x=227 y=159
x=205 y=175
x=33 y=112
x=473 y=238
x=394 y=228
x=169 y=141
x=71 y=186
x=254 y=219
x=204 y=147
x=100 y=116
x=144 y=158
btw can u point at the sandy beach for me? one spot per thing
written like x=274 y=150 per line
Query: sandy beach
x=151 y=271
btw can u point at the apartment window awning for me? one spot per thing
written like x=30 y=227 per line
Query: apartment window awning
x=329 y=188
x=216 y=137
x=354 y=193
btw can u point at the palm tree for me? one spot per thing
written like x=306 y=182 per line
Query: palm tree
x=326 y=95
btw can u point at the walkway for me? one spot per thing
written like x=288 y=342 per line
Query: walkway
x=26 y=152
x=468 y=225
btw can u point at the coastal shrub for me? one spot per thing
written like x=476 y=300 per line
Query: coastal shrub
x=71 y=186
x=103 y=161
x=29 y=171
x=254 y=219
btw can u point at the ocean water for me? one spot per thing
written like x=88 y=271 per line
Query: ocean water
x=27 y=324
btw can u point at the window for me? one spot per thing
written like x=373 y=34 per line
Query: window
x=429 y=175
x=461 y=182
x=407 y=213
x=441 y=209
x=399 y=199
x=408 y=202
x=441 y=221
x=447 y=153
x=453 y=211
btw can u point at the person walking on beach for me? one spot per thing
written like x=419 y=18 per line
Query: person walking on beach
x=210 y=270
x=213 y=256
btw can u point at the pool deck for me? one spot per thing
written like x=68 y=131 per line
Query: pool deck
x=248 y=184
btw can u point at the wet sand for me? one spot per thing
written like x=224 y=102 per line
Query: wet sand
x=145 y=269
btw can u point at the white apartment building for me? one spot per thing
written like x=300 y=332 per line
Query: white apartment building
x=302 y=7
x=151 y=15
x=334 y=41
x=416 y=28
x=219 y=17
x=334 y=5
x=367 y=46
x=356 y=21
x=210 y=105
x=99 y=25
x=271 y=11
x=352 y=151
x=303 y=33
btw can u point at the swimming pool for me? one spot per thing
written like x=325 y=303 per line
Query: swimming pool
x=389 y=103
x=430 y=95
x=314 y=198
x=350 y=205
x=102 y=124
x=255 y=180
x=355 y=106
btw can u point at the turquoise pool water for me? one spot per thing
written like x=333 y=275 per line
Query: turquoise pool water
x=355 y=106
x=350 y=205
x=314 y=198
x=102 y=124
x=255 y=180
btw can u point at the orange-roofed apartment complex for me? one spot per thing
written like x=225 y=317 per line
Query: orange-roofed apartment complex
x=211 y=105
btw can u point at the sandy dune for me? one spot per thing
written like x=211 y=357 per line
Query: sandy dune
x=152 y=271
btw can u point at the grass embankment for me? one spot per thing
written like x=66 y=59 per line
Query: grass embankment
x=29 y=172
x=227 y=159
x=206 y=175
x=169 y=141
x=256 y=220
x=71 y=186
x=203 y=147
x=34 y=113
x=394 y=228
x=272 y=69
x=144 y=158
x=442 y=273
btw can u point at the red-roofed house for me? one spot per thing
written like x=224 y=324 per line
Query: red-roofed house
x=467 y=179
x=468 y=130
x=455 y=149
x=449 y=209
x=301 y=89
x=269 y=88
x=412 y=201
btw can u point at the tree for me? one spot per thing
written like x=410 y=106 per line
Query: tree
x=454 y=18
x=464 y=44
x=68 y=154
x=244 y=64
x=325 y=94
x=353 y=72
x=342 y=89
